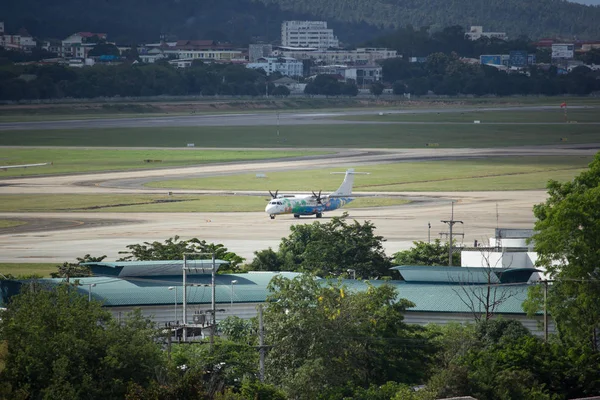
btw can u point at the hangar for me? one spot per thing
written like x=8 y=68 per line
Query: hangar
x=440 y=294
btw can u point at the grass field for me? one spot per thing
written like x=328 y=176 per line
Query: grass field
x=9 y=223
x=514 y=116
x=27 y=269
x=322 y=136
x=153 y=203
x=66 y=161
x=481 y=174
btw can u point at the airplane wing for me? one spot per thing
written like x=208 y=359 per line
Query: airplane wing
x=5 y=167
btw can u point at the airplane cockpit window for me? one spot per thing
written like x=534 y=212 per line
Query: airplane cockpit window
x=279 y=203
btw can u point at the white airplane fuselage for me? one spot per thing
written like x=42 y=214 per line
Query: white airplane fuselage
x=305 y=205
x=312 y=204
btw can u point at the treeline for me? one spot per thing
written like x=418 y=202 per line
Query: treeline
x=56 y=81
x=447 y=75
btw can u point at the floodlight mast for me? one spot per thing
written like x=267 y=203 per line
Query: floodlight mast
x=451 y=223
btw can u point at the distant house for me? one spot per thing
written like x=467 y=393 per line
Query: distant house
x=79 y=44
x=476 y=33
x=287 y=66
x=22 y=41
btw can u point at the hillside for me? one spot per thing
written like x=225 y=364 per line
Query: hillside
x=539 y=18
x=244 y=21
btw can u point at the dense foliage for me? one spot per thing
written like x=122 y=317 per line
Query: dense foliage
x=55 y=81
x=423 y=253
x=328 y=249
x=328 y=337
x=567 y=240
x=59 y=345
x=448 y=75
x=174 y=249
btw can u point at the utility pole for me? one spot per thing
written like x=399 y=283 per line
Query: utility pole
x=261 y=344
x=184 y=303
x=212 y=303
x=451 y=223
x=545 y=282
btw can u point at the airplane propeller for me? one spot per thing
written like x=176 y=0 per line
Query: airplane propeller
x=318 y=197
x=273 y=196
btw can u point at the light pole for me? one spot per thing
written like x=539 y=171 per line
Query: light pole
x=91 y=285
x=353 y=273
x=171 y=288
x=233 y=282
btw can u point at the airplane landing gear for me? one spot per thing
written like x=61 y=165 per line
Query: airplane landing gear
x=296 y=215
x=272 y=216
x=319 y=215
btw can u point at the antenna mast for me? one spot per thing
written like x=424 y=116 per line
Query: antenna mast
x=451 y=223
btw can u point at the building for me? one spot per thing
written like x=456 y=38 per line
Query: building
x=256 y=51
x=308 y=34
x=360 y=56
x=156 y=287
x=22 y=41
x=287 y=66
x=204 y=50
x=361 y=74
x=476 y=33
x=563 y=51
x=79 y=44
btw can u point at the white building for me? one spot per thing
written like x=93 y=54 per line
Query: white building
x=361 y=74
x=308 y=34
x=509 y=248
x=360 y=56
x=77 y=44
x=23 y=41
x=287 y=66
x=476 y=33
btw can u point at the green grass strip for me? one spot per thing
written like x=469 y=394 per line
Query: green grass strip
x=501 y=173
x=315 y=136
x=66 y=161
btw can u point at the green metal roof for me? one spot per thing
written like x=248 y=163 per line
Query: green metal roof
x=152 y=268
x=252 y=288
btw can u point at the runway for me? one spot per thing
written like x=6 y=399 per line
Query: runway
x=243 y=119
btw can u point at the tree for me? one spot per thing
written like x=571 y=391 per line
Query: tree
x=566 y=239
x=329 y=249
x=104 y=49
x=173 y=249
x=59 y=345
x=349 y=89
x=376 y=89
x=76 y=270
x=424 y=253
x=281 y=91
x=325 y=336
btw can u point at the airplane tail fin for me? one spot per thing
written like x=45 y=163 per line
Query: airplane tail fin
x=345 y=188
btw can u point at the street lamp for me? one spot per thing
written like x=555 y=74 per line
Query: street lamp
x=353 y=273
x=91 y=285
x=233 y=282
x=171 y=288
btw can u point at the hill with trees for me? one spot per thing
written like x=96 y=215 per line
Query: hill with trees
x=244 y=21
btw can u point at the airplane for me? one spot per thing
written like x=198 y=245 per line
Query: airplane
x=312 y=204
